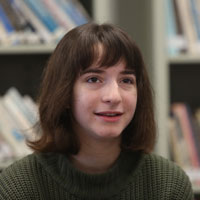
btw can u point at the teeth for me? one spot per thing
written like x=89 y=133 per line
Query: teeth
x=109 y=114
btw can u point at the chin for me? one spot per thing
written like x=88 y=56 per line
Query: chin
x=110 y=135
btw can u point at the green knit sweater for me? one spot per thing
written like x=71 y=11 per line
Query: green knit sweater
x=134 y=176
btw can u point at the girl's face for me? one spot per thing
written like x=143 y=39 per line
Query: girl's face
x=104 y=101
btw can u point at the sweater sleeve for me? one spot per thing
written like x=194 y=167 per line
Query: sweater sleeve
x=183 y=188
x=6 y=186
x=17 y=181
x=168 y=179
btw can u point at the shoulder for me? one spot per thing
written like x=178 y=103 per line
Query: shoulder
x=21 y=166
x=163 y=166
x=166 y=174
x=16 y=180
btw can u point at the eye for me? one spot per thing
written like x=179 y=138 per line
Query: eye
x=128 y=81
x=93 y=80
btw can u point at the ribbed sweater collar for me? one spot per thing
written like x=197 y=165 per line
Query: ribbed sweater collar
x=91 y=186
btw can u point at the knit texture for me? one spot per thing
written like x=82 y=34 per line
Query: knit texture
x=134 y=176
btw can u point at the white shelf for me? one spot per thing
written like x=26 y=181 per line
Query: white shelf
x=26 y=49
x=184 y=58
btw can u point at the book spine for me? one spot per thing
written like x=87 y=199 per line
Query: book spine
x=6 y=151
x=73 y=13
x=29 y=33
x=179 y=109
x=32 y=106
x=79 y=11
x=179 y=151
x=3 y=36
x=59 y=14
x=171 y=28
x=195 y=15
x=16 y=97
x=6 y=22
x=10 y=13
x=10 y=31
x=39 y=27
x=188 y=25
x=19 y=114
x=11 y=133
x=43 y=14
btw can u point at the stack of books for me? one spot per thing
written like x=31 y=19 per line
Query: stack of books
x=38 y=21
x=185 y=139
x=183 y=26
x=18 y=116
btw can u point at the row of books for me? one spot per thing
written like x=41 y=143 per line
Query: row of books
x=183 y=26
x=18 y=116
x=184 y=142
x=38 y=21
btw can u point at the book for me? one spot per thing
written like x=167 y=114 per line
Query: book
x=10 y=32
x=6 y=152
x=59 y=14
x=171 y=28
x=13 y=94
x=12 y=134
x=43 y=14
x=179 y=150
x=14 y=104
x=195 y=13
x=27 y=33
x=181 y=112
x=74 y=10
x=11 y=14
x=188 y=25
x=3 y=35
x=196 y=8
x=33 y=108
x=43 y=32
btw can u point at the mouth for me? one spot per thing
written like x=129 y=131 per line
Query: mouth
x=109 y=116
x=109 y=113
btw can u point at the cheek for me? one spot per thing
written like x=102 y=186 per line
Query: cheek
x=82 y=103
x=130 y=100
x=130 y=104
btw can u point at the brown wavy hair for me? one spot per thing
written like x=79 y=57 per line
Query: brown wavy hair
x=76 y=51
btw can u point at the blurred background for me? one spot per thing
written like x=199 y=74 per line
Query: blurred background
x=167 y=32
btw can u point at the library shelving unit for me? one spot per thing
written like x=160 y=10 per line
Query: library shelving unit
x=173 y=78
x=22 y=65
x=184 y=81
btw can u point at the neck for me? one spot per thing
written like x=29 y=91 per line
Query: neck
x=96 y=157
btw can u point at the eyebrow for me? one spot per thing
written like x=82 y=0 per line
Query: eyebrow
x=128 y=72
x=99 y=71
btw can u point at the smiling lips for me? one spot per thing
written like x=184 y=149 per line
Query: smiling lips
x=109 y=116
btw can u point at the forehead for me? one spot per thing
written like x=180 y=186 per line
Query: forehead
x=119 y=68
x=99 y=56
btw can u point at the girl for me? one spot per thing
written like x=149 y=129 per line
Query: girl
x=97 y=127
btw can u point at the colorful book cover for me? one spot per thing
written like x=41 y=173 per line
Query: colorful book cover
x=43 y=14
x=12 y=133
x=72 y=10
x=59 y=14
x=181 y=112
x=42 y=31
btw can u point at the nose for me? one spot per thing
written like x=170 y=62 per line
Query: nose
x=111 y=93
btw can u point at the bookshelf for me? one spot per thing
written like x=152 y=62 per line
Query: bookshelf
x=174 y=78
x=145 y=22
x=183 y=79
